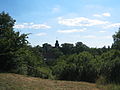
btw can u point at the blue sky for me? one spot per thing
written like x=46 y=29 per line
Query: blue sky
x=92 y=22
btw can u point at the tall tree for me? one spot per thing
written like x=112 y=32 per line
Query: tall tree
x=10 y=41
x=116 y=39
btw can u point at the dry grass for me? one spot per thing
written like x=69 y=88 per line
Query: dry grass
x=20 y=82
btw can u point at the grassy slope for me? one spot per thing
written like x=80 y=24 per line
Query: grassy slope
x=20 y=82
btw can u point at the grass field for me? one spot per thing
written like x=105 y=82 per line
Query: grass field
x=20 y=82
x=9 y=81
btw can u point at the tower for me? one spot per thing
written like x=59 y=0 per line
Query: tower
x=57 y=44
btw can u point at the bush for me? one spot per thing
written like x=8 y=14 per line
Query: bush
x=110 y=66
x=101 y=80
x=44 y=72
x=76 y=67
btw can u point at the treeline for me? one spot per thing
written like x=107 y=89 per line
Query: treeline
x=64 y=62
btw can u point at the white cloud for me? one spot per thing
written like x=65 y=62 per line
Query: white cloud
x=81 y=21
x=19 y=26
x=97 y=15
x=102 y=31
x=108 y=37
x=31 y=26
x=97 y=37
x=40 y=26
x=56 y=9
x=102 y=15
x=71 y=30
x=106 y=14
x=41 y=34
x=90 y=36
x=112 y=25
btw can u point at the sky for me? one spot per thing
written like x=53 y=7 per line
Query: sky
x=92 y=22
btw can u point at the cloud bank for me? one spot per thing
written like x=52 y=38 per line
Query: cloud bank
x=81 y=21
x=31 y=26
x=41 y=34
x=102 y=15
x=71 y=30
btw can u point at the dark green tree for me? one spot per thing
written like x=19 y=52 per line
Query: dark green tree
x=10 y=41
x=76 y=67
x=46 y=47
x=67 y=48
x=110 y=65
x=80 y=47
x=116 y=39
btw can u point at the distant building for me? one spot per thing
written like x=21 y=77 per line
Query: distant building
x=57 y=44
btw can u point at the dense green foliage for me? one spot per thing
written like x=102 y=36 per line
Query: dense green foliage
x=15 y=54
x=77 y=67
x=10 y=42
x=66 y=62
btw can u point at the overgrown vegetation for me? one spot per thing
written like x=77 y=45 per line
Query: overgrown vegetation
x=66 y=62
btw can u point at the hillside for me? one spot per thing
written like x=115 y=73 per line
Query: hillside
x=20 y=82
